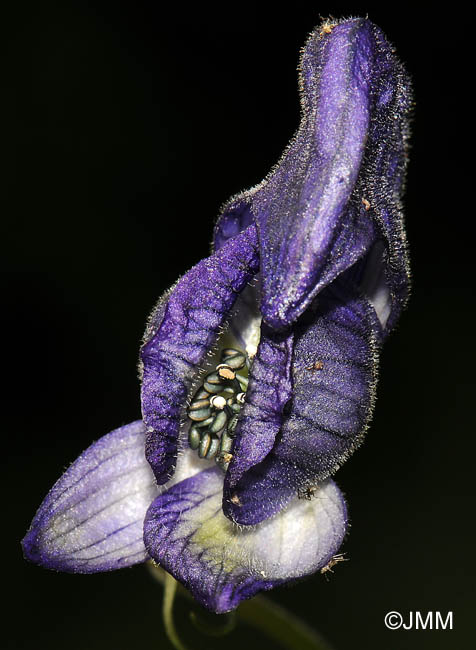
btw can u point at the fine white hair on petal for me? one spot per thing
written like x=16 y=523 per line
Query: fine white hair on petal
x=221 y=563
x=188 y=463
x=92 y=519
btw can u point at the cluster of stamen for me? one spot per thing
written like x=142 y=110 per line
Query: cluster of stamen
x=215 y=407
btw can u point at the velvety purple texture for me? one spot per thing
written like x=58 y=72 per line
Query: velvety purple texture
x=269 y=389
x=325 y=229
x=191 y=319
x=334 y=374
x=337 y=188
x=322 y=241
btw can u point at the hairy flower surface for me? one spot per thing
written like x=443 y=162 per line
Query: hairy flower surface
x=259 y=365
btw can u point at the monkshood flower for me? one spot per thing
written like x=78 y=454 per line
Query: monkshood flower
x=259 y=365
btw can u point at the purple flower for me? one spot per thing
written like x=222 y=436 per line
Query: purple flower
x=259 y=365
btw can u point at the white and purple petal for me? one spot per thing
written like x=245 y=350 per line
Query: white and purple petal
x=186 y=532
x=92 y=518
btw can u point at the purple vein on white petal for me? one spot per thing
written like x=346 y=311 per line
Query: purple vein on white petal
x=187 y=533
x=99 y=503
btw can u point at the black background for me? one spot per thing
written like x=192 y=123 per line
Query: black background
x=127 y=126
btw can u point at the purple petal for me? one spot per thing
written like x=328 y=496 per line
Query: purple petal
x=222 y=564
x=181 y=332
x=334 y=373
x=269 y=389
x=337 y=188
x=92 y=518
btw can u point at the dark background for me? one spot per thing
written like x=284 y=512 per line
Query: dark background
x=127 y=126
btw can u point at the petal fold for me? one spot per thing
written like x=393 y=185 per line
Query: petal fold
x=334 y=374
x=186 y=532
x=269 y=390
x=181 y=332
x=337 y=188
x=92 y=518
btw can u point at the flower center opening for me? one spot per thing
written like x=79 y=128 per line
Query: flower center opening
x=215 y=407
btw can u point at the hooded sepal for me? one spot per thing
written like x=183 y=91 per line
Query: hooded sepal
x=337 y=188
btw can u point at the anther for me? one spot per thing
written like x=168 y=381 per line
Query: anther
x=232 y=425
x=205 y=423
x=198 y=404
x=215 y=407
x=200 y=394
x=234 y=359
x=226 y=443
x=218 y=402
x=208 y=445
x=194 y=437
x=223 y=459
x=199 y=415
x=213 y=383
x=214 y=444
x=243 y=382
x=225 y=371
x=219 y=422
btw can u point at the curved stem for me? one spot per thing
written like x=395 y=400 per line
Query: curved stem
x=276 y=622
x=170 y=589
x=280 y=625
x=222 y=624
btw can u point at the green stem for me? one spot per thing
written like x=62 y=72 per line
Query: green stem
x=280 y=625
x=170 y=589
x=286 y=629
x=222 y=624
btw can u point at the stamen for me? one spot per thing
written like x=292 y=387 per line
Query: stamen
x=234 y=358
x=225 y=371
x=194 y=437
x=215 y=407
x=219 y=422
x=199 y=414
x=226 y=443
x=243 y=382
x=218 y=402
x=232 y=425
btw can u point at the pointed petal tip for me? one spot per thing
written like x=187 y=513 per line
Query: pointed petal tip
x=92 y=518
